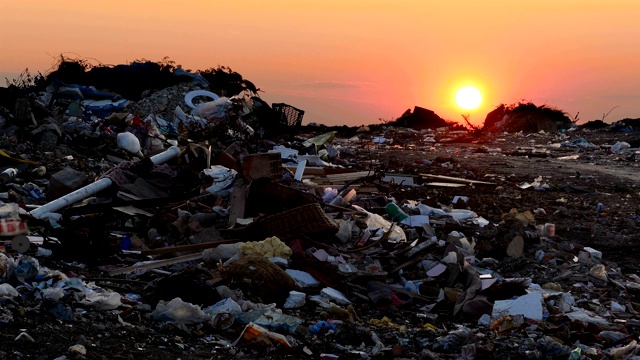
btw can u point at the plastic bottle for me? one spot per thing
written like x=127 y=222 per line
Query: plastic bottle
x=395 y=212
x=428 y=210
x=575 y=354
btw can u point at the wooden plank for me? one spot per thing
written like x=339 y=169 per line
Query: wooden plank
x=317 y=170
x=455 y=179
x=358 y=188
x=237 y=204
x=156 y=264
x=410 y=262
x=443 y=184
x=350 y=176
x=334 y=180
x=145 y=190
x=191 y=247
x=343 y=209
x=132 y=210
x=366 y=189
x=308 y=170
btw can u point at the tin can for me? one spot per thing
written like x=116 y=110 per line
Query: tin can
x=8 y=174
x=549 y=230
x=12 y=227
x=599 y=207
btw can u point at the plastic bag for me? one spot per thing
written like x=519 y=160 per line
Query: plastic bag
x=213 y=109
x=179 y=312
x=222 y=178
x=7 y=266
x=221 y=252
x=377 y=222
x=6 y=290
x=223 y=306
x=27 y=268
x=129 y=142
x=107 y=300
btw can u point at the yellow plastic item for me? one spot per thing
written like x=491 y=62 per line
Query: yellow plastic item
x=268 y=248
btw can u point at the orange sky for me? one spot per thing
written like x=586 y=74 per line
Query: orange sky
x=352 y=62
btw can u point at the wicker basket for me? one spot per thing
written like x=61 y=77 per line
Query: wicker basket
x=306 y=219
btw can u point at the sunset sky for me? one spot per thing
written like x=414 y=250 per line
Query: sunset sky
x=353 y=62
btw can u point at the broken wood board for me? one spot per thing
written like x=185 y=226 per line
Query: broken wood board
x=308 y=170
x=237 y=204
x=191 y=247
x=132 y=210
x=340 y=179
x=156 y=264
x=317 y=170
x=365 y=189
x=444 y=184
x=400 y=179
x=455 y=179
x=144 y=189
x=356 y=187
x=349 y=176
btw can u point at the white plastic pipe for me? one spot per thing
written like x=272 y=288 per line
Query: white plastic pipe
x=72 y=198
x=95 y=187
x=166 y=155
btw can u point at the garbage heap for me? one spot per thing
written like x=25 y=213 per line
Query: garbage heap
x=161 y=230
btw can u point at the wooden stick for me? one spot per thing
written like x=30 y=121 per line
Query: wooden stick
x=138 y=282
x=157 y=264
x=344 y=209
x=455 y=179
x=191 y=247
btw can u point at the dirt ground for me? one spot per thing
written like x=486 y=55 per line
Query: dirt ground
x=576 y=187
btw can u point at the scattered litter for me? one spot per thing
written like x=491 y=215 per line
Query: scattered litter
x=226 y=219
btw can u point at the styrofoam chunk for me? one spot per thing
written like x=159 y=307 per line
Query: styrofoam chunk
x=336 y=296
x=303 y=279
x=529 y=305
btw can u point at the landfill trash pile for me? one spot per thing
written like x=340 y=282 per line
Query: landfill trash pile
x=526 y=117
x=182 y=223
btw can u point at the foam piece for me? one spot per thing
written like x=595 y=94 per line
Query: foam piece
x=529 y=305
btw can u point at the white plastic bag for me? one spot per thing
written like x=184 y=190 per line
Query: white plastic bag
x=221 y=252
x=179 y=312
x=213 y=109
x=6 y=290
x=222 y=178
x=129 y=142
x=223 y=306
x=375 y=221
x=107 y=300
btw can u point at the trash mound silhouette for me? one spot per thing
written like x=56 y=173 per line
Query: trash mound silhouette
x=526 y=117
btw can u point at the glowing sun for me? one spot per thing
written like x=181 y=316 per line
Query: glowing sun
x=468 y=97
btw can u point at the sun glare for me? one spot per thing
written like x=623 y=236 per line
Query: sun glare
x=468 y=98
